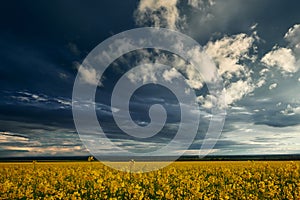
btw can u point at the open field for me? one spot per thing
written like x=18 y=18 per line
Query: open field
x=180 y=180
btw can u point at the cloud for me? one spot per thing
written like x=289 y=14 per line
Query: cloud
x=249 y=77
x=231 y=54
x=206 y=72
x=179 y=67
x=206 y=102
x=8 y=137
x=293 y=36
x=286 y=58
x=168 y=75
x=144 y=74
x=158 y=13
x=232 y=57
x=88 y=75
x=201 y=4
x=272 y=86
x=30 y=139
x=237 y=90
x=211 y=18
x=39 y=100
x=229 y=51
x=46 y=151
x=260 y=139
x=290 y=110
x=282 y=58
x=34 y=97
x=64 y=102
x=296 y=110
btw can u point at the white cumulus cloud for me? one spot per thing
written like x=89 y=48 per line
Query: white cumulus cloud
x=293 y=36
x=282 y=58
x=168 y=75
x=228 y=51
x=158 y=13
x=238 y=90
x=230 y=54
x=286 y=58
x=88 y=75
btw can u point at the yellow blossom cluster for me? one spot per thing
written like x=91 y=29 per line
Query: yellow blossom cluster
x=180 y=180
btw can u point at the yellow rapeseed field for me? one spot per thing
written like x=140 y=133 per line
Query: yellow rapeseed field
x=180 y=180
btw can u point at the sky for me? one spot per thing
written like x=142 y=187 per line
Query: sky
x=255 y=46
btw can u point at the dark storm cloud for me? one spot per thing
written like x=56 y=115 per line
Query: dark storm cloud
x=40 y=43
x=28 y=67
x=43 y=43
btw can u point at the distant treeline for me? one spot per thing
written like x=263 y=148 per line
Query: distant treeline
x=183 y=158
